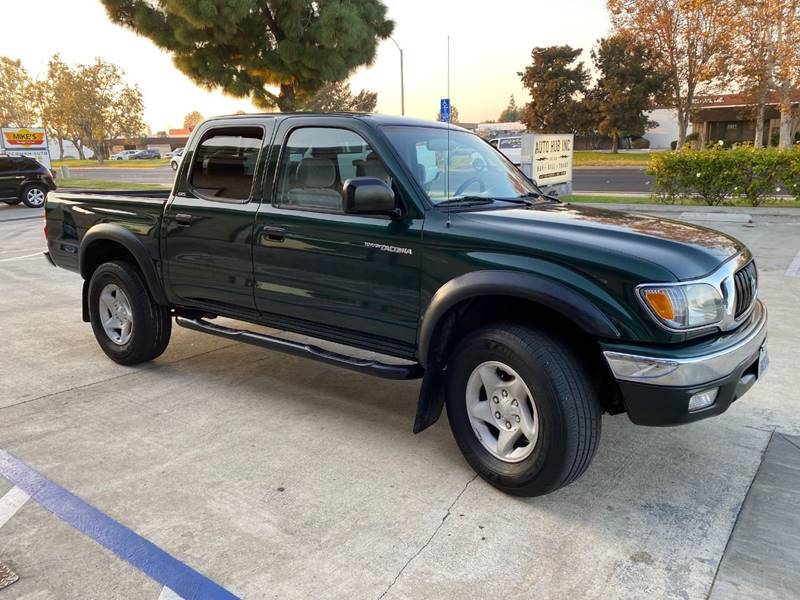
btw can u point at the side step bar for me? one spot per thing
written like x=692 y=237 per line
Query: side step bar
x=361 y=365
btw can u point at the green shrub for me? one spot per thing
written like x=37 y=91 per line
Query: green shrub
x=758 y=172
x=791 y=172
x=717 y=176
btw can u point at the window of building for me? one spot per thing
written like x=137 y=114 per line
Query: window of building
x=225 y=163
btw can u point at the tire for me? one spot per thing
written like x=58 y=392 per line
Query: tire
x=129 y=302
x=34 y=195
x=560 y=411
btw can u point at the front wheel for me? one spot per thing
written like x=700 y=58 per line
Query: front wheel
x=129 y=326
x=522 y=409
x=34 y=195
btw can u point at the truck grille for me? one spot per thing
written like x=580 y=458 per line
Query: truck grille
x=746 y=282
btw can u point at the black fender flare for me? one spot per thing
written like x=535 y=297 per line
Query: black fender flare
x=572 y=305
x=133 y=244
x=552 y=294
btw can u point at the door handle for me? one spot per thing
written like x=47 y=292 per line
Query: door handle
x=184 y=219
x=273 y=233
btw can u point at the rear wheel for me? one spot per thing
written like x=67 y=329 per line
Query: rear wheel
x=129 y=326
x=34 y=195
x=522 y=409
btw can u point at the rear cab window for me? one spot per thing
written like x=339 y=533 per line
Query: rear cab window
x=225 y=163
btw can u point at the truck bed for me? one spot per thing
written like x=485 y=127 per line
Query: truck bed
x=70 y=214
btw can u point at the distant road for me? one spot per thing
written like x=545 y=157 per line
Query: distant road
x=586 y=179
x=619 y=179
x=154 y=175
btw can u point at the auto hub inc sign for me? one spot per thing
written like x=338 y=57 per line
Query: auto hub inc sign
x=26 y=141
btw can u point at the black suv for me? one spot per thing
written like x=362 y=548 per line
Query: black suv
x=24 y=179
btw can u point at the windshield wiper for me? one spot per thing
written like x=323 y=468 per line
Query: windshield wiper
x=541 y=196
x=466 y=201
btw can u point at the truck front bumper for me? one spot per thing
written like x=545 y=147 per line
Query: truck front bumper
x=671 y=387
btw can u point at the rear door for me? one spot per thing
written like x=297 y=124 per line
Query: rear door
x=322 y=270
x=10 y=178
x=208 y=225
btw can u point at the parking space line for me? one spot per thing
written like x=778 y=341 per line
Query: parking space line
x=125 y=543
x=11 y=502
x=168 y=594
x=794 y=267
x=20 y=257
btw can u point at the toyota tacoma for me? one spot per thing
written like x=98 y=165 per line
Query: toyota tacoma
x=528 y=318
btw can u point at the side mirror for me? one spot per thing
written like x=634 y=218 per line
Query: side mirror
x=368 y=196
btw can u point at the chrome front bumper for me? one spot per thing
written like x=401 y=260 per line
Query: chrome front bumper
x=694 y=370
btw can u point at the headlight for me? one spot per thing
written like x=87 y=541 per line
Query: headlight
x=684 y=306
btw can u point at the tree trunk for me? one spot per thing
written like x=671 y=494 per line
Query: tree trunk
x=79 y=147
x=682 y=127
x=287 y=101
x=787 y=125
x=60 y=139
x=757 y=142
x=615 y=142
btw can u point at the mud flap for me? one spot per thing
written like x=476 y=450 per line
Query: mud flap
x=431 y=399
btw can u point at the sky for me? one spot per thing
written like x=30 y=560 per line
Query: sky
x=489 y=43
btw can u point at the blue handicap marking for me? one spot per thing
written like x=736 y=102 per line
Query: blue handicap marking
x=444 y=110
x=125 y=543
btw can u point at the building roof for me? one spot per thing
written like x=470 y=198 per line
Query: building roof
x=740 y=99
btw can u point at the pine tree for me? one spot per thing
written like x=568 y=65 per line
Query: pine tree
x=278 y=53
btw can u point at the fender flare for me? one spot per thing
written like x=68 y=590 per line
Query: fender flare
x=552 y=294
x=133 y=244
x=556 y=296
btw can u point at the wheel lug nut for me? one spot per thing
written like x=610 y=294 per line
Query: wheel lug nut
x=505 y=393
x=517 y=418
x=495 y=399
x=497 y=415
x=508 y=425
x=514 y=402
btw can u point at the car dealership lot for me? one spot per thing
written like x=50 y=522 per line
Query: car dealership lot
x=275 y=476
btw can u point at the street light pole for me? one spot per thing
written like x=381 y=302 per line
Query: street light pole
x=402 y=83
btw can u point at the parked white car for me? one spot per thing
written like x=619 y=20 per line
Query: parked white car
x=177 y=157
x=511 y=146
x=124 y=155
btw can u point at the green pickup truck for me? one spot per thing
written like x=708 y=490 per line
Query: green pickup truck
x=527 y=317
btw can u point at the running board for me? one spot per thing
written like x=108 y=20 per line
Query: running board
x=361 y=365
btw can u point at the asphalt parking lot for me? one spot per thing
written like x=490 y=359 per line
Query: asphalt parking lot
x=276 y=477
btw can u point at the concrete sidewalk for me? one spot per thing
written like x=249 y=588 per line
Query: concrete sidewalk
x=762 y=559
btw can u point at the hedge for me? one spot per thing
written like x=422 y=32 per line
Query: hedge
x=717 y=176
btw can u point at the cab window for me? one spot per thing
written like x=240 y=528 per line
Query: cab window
x=225 y=163
x=317 y=161
x=511 y=143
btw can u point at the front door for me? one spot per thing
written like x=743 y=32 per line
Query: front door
x=208 y=224
x=321 y=270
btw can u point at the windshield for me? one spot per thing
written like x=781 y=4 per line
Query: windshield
x=466 y=167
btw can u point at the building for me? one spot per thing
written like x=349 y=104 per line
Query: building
x=731 y=118
x=164 y=141
x=665 y=132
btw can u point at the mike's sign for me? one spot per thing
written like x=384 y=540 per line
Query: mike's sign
x=25 y=141
x=24 y=138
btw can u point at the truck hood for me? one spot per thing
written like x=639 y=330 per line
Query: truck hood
x=687 y=251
